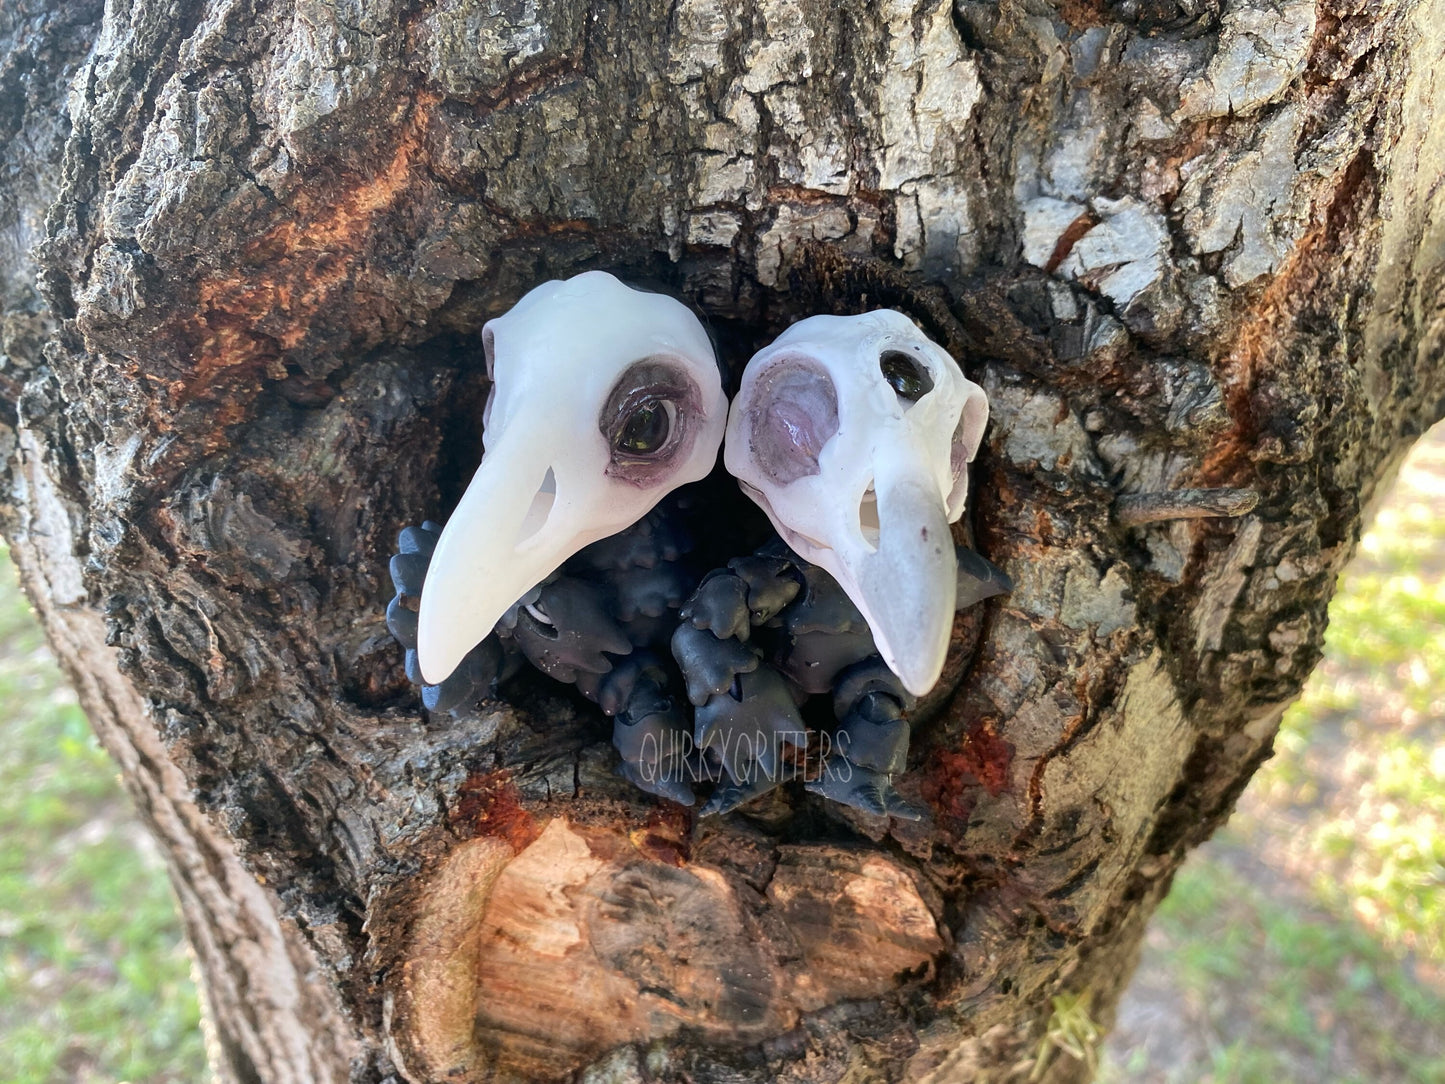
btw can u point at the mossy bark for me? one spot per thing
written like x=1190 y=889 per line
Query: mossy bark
x=1194 y=250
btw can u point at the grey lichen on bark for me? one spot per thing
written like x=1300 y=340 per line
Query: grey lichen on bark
x=1192 y=249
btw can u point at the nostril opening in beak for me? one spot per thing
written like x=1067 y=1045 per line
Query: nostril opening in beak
x=542 y=502
x=868 y=522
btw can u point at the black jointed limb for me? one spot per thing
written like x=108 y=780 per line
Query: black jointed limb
x=745 y=713
x=827 y=648
x=588 y=625
x=650 y=727
x=486 y=664
x=872 y=707
x=576 y=632
x=870 y=703
x=758 y=638
x=754 y=641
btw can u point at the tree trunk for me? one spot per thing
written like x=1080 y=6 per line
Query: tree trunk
x=1193 y=250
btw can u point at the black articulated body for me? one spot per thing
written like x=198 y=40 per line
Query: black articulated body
x=751 y=646
x=766 y=634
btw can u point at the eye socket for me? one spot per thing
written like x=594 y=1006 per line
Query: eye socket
x=792 y=413
x=906 y=375
x=646 y=428
x=649 y=420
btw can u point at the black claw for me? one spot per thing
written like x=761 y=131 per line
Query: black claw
x=772 y=582
x=749 y=729
x=650 y=731
x=674 y=790
x=870 y=739
x=865 y=679
x=473 y=679
x=868 y=791
x=617 y=690
x=720 y=606
x=978 y=579
x=710 y=665
x=900 y=807
x=447 y=696
x=568 y=631
x=401 y=622
x=654 y=540
x=421 y=540
x=729 y=796
x=649 y=592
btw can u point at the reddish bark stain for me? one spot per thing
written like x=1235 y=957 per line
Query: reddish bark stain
x=664 y=837
x=983 y=760
x=1069 y=238
x=1082 y=14
x=489 y=804
x=1264 y=341
x=300 y=266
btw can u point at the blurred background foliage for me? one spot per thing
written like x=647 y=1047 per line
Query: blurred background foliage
x=95 y=984
x=1305 y=942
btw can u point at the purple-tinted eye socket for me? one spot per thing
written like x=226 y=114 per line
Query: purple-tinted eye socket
x=794 y=413
x=649 y=420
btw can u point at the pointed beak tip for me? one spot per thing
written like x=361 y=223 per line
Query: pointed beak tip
x=916 y=660
x=920 y=680
x=434 y=669
x=443 y=640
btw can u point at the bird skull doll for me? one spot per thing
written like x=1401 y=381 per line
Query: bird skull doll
x=854 y=435
x=604 y=400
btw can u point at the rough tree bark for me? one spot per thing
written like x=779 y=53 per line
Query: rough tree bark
x=246 y=250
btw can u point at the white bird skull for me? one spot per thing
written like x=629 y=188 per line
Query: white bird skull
x=604 y=399
x=854 y=434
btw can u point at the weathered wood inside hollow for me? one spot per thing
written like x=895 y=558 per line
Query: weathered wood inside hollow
x=245 y=254
x=579 y=943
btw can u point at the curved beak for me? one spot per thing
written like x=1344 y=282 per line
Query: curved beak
x=906 y=585
x=501 y=541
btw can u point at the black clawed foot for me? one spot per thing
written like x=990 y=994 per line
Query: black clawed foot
x=863 y=789
x=472 y=680
x=476 y=676
x=651 y=734
x=729 y=796
x=672 y=788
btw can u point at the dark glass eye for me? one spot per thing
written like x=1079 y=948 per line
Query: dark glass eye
x=906 y=376
x=645 y=430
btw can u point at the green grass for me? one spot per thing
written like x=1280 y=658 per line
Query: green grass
x=94 y=980
x=1298 y=980
x=1379 y=846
